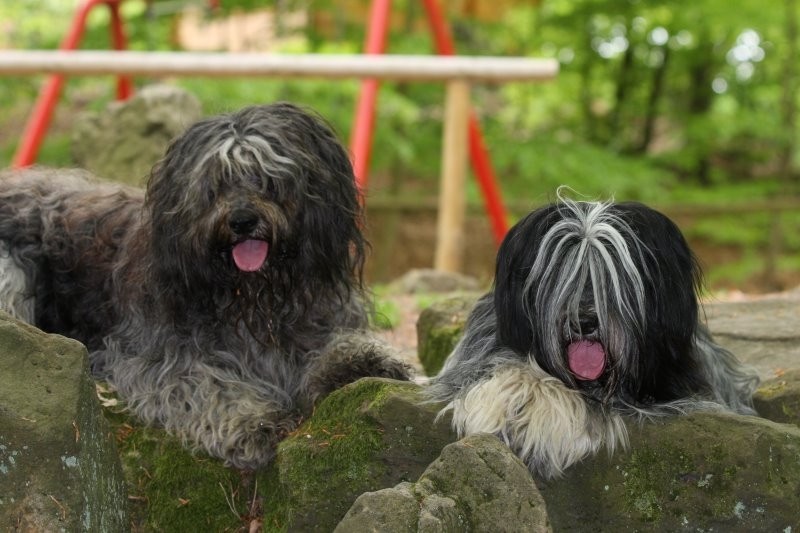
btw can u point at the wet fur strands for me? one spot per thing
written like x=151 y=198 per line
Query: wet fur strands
x=223 y=301
x=593 y=318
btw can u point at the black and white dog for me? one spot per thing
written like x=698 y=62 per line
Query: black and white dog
x=224 y=300
x=593 y=317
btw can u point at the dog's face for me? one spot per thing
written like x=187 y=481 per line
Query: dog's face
x=603 y=296
x=262 y=199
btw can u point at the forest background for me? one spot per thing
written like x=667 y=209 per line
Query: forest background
x=687 y=105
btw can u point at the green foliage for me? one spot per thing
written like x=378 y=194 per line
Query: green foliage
x=547 y=161
x=659 y=101
x=170 y=489
x=330 y=450
x=385 y=315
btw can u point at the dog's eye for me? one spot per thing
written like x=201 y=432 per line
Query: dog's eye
x=255 y=181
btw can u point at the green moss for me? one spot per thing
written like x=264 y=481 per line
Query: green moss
x=439 y=329
x=779 y=398
x=172 y=490
x=771 y=390
x=385 y=315
x=437 y=347
x=646 y=475
x=663 y=478
x=710 y=481
x=319 y=470
x=329 y=454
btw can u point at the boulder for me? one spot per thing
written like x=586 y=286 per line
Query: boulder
x=700 y=472
x=123 y=141
x=172 y=489
x=428 y=280
x=763 y=332
x=366 y=436
x=476 y=484
x=439 y=328
x=778 y=399
x=59 y=469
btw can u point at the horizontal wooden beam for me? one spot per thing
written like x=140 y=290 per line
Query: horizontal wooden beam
x=391 y=67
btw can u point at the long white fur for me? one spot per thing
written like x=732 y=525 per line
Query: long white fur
x=14 y=293
x=538 y=417
x=596 y=228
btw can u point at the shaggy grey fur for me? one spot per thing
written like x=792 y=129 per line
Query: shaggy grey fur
x=225 y=301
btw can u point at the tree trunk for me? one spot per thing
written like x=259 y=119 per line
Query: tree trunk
x=788 y=185
x=623 y=84
x=651 y=112
x=700 y=99
x=788 y=100
x=586 y=88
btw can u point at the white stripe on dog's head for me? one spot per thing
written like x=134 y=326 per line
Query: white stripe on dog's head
x=589 y=247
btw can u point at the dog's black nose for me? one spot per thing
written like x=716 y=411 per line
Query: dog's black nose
x=583 y=325
x=588 y=324
x=243 y=221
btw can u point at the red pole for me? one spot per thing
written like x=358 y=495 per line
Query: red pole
x=120 y=42
x=364 y=124
x=479 y=155
x=42 y=112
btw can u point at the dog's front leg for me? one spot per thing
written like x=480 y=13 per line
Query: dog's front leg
x=347 y=357
x=209 y=408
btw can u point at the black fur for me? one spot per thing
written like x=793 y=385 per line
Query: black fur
x=618 y=276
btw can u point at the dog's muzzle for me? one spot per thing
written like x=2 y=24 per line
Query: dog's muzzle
x=586 y=356
x=587 y=359
x=248 y=254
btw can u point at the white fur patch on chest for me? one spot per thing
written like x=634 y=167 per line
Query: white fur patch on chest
x=15 y=297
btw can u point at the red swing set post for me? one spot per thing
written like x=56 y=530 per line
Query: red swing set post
x=42 y=113
x=363 y=128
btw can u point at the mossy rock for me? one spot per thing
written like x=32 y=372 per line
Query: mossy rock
x=700 y=472
x=439 y=329
x=366 y=436
x=476 y=484
x=428 y=280
x=778 y=399
x=123 y=141
x=172 y=489
x=59 y=469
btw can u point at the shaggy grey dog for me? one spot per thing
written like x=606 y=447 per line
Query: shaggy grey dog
x=223 y=302
x=593 y=318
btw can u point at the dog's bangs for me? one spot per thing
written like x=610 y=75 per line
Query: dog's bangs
x=251 y=159
x=588 y=244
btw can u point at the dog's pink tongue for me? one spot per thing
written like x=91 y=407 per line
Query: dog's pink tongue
x=587 y=359
x=249 y=255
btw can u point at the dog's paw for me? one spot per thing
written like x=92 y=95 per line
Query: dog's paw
x=250 y=442
x=350 y=357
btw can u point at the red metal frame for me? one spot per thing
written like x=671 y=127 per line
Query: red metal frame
x=42 y=113
x=364 y=125
x=361 y=138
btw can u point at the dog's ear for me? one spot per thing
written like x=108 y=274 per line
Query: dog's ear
x=673 y=275
x=332 y=205
x=671 y=280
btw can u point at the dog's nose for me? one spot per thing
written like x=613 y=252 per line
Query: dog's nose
x=588 y=324
x=243 y=221
x=583 y=325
